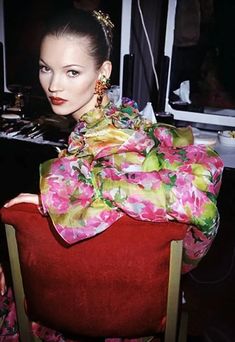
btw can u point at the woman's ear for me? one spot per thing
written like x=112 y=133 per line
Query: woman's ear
x=106 y=69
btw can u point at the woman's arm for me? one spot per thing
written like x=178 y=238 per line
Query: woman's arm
x=23 y=198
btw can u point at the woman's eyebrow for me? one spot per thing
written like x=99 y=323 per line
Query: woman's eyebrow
x=41 y=60
x=65 y=66
x=73 y=65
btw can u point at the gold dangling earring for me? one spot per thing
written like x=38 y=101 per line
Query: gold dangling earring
x=101 y=86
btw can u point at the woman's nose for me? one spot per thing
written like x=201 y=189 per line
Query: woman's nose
x=55 y=84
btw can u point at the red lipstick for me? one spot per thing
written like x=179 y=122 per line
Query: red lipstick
x=57 y=101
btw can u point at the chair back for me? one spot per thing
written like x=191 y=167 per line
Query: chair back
x=115 y=284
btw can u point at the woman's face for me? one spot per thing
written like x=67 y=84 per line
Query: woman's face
x=68 y=74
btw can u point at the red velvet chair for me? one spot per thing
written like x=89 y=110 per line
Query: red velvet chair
x=125 y=282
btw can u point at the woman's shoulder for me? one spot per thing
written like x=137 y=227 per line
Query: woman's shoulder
x=126 y=114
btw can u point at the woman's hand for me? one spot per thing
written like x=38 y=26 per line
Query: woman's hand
x=23 y=198
x=3 y=288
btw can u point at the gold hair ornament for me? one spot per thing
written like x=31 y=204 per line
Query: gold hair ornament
x=103 y=19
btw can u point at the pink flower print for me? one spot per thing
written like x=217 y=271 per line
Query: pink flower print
x=73 y=235
x=132 y=206
x=195 y=152
x=186 y=168
x=110 y=173
x=60 y=203
x=212 y=189
x=143 y=209
x=65 y=192
x=85 y=168
x=65 y=167
x=196 y=244
x=131 y=167
x=146 y=180
x=189 y=198
x=189 y=202
x=144 y=143
x=152 y=213
x=54 y=202
x=183 y=180
x=177 y=212
x=217 y=162
x=110 y=216
x=164 y=136
x=75 y=142
x=167 y=176
x=90 y=227
x=46 y=334
x=8 y=328
x=170 y=158
x=83 y=195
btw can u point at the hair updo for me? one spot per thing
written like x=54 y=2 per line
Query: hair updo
x=83 y=24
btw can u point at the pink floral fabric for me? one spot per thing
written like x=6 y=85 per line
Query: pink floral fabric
x=8 y=320
x=118 y=163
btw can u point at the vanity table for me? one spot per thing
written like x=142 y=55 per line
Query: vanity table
x=24 y=145
x=227 y=154
x=226 y=150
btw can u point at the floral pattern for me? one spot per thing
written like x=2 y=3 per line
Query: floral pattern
x=8 y=320
x=119 y=163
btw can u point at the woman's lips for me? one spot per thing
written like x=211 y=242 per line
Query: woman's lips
x=57 y=101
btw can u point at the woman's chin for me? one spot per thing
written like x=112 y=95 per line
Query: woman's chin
x=59 y=111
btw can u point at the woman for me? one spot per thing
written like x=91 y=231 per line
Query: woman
x=76 y=80
x=117 y=162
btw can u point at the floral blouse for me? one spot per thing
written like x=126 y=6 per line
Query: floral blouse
x=118 y=163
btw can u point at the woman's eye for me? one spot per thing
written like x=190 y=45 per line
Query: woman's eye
x=72 y=73
x=44 y=68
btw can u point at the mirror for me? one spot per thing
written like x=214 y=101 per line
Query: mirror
x=201 y=54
